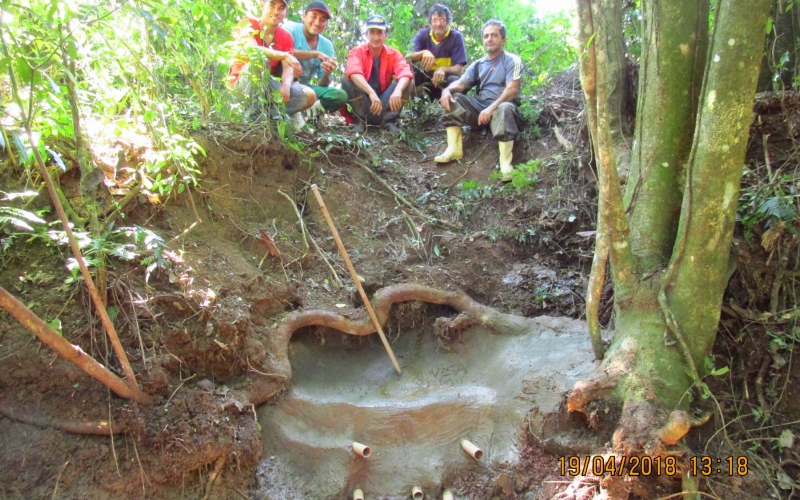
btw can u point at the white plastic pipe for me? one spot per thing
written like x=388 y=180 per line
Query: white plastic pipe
x=447 y=495
x=358 y=495
x=416 y=493
x=473 y=450
x=362 y=449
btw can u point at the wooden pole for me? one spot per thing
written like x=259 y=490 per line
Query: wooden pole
x=353 y=275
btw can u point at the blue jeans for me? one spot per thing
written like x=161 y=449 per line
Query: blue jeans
x=360 y=102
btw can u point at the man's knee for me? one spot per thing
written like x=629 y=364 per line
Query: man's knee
x=331 y=98
x=507 y=107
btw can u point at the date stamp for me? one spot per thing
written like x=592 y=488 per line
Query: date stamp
x=617 y=466
x=599 y=465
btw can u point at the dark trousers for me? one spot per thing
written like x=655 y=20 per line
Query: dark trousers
x=359 y=103
x=465 y=110
x=425 y=78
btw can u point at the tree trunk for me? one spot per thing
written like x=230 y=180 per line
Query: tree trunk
x=692 y=127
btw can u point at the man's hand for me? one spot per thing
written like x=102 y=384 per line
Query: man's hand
x=294 y=63
x=286 y=92
x=396 y=101
x=427 y=60
x=328 y=66
x=446 y=99
x=438 y=77
x=376 y=107
x=485 y=117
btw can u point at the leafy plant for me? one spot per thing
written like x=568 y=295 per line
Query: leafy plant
x=523 y=176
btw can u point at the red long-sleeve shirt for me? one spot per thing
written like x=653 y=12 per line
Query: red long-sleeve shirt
x=393 y=64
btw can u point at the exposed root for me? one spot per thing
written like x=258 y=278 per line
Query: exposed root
x=471 y=310
x=678 y=425
x=220 y=463
x=101 y=428
x=595 y=388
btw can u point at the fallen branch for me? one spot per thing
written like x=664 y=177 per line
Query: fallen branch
x=101 y=428
x=69 y=351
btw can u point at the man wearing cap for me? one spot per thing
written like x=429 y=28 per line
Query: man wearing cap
x=497 y=77
x=440 y=52
x=316 y=56
x=371 y=67
x=276 y=44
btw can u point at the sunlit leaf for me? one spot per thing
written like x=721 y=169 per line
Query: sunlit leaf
x=57 y=158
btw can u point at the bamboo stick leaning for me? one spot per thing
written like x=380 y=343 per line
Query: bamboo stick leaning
x=354 y=275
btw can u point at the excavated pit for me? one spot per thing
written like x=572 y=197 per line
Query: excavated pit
x=480 y=387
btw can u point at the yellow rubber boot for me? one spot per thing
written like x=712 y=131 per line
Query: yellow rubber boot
x=506 y=153
x=453 y=151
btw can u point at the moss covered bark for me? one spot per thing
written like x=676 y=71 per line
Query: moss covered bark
x=679 y=208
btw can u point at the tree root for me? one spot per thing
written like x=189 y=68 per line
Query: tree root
x=101 y=428
x=678 y=425
x=471 y=310
x=597 y=387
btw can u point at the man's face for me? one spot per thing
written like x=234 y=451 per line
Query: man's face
x=315 y=22
x=438 y=25
x=493 y=41
x=274 y=13
x=376 y=38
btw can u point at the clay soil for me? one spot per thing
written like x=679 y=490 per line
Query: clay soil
x=195 y=326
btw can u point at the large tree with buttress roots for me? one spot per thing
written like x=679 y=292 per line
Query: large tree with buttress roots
x=666 y=237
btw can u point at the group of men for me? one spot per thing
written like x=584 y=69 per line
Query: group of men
x=379 y=79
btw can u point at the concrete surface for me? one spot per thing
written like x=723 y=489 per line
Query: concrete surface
x=347 y=390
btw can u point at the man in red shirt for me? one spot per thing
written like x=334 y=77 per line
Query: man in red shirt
x=374 y=98
x=276 y=44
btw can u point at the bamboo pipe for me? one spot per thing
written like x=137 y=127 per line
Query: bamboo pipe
x=472 y=450
x=447 y=495
x=358 y=494
x=354 y=275
x=362 y=449
x=416 y=493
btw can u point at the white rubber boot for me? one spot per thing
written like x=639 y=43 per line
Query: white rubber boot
x=453 y=151
x=506 y=153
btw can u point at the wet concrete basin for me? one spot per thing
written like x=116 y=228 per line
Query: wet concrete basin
x=346 y=390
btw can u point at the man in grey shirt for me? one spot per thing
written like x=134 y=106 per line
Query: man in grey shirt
x=497 y=77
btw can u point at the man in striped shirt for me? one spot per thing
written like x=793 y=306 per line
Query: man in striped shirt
x=497 y=78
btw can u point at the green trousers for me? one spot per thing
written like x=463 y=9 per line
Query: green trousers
x=331 y=98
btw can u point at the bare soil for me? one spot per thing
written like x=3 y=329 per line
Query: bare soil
x=196 y=327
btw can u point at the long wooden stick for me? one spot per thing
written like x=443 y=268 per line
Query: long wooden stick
x=353 y=275
x=69 y=351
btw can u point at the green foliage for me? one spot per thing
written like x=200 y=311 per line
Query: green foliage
x=524 y=176
x=765 y=203
x=474 y=190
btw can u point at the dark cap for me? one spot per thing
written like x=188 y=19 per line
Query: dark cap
x=376 y=21
x=285 y=2
x=320 y=7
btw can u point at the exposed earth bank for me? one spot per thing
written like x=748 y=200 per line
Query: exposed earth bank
x=197 y=327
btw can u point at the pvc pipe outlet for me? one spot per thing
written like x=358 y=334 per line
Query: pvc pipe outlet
x=358 y=495
x=416 y=493
x=472 y=450
x=362 y=450
x=447 y=495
